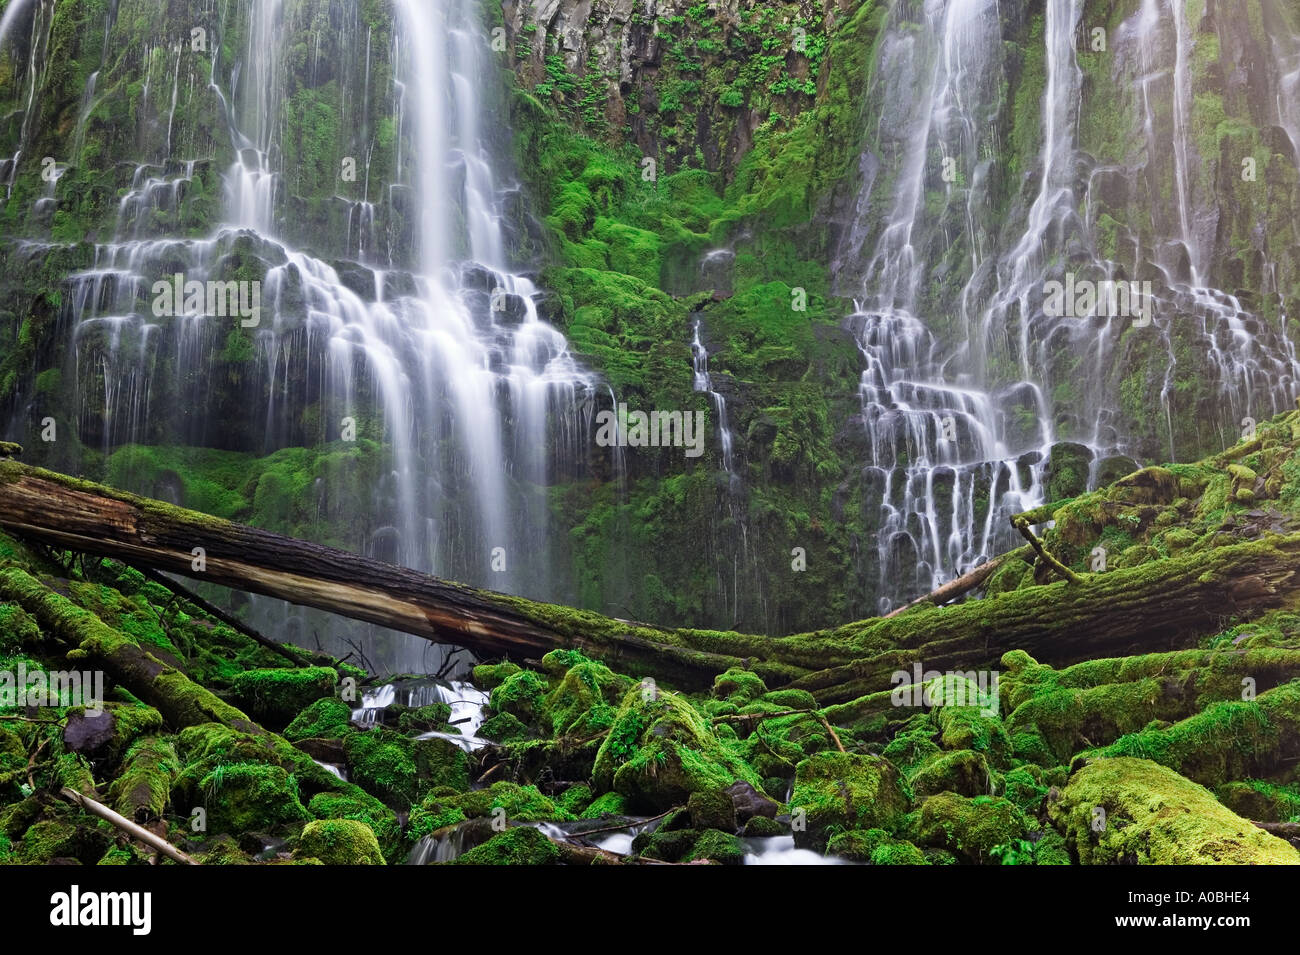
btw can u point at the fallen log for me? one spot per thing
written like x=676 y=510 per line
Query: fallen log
x=94 y=519
x=1159 y=605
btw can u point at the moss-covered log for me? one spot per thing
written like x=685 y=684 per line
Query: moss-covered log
x=1154 y=606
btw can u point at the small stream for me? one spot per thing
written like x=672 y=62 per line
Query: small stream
x=467 y=704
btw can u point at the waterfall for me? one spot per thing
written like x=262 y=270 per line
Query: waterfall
x=478 y=398
x=701 y=381
x=944 y=465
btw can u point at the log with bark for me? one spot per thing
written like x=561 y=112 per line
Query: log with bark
x=1160 y=605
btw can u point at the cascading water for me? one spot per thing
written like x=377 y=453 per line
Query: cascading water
x=478 y=398
x=944 y=463
x=702 y=382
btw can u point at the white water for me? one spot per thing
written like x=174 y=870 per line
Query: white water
x=702 y=382
x=478 y=397
x=941 y=450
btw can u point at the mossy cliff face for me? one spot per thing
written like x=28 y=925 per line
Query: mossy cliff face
x=773 y=135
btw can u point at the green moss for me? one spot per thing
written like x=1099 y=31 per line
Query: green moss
x=488 y=676
x=250 y=797
x=1262 y=801
x=970 y=828
x=575 y=799
x=362 y=807
x=608 y=804
x=838 y=791
x=964 y=772
x=519 y=845
x=660 y=750
x=326 y=718
x=738 y=686
x=398 y=770
x=874 y=847
x=1152 y=815
x=275 y=696
x=504 y=728
x=521 y=695
x=715 y=846
x=582 y=703
x=141 y=790
x=1226 y=741
x=339 y=842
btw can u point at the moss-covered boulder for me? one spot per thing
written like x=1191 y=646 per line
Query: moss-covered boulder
x=488 y=676
x=275 y=696
x=964 y=772
x=339 y=842
x=738 y=686
x=967 y=718
x=608 y=804
x=660 y=749
x=836 y=791
x=243 y=797
x=584 y=701
x=521 y=695
x=70 y=839
x=970 y=828
x=109 y=733
x=712 y=810
x=399 y=770
x=358 y=805
x=1135 y=811
x=326 y=718
x=518 y=845
x=713 y=845
x=505 y=728
x=874 y=847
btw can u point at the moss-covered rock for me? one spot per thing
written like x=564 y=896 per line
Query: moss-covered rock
x=838 y=791
x=244 y=797
x=608 y=804
x=874 y=847
x=964 y=772
x=504 y=728
x=358 y=805
x=275 y=696
x=326 y=718
x=970 y=828
x=339 y=842
x=660 y=750
x=521 y=695
x=738 y=686
x=488 y=676
x=583 y=702
x=716 y=846
x=712 y=810
x=518 y=845
x=399 y=770
x=1127 y=810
